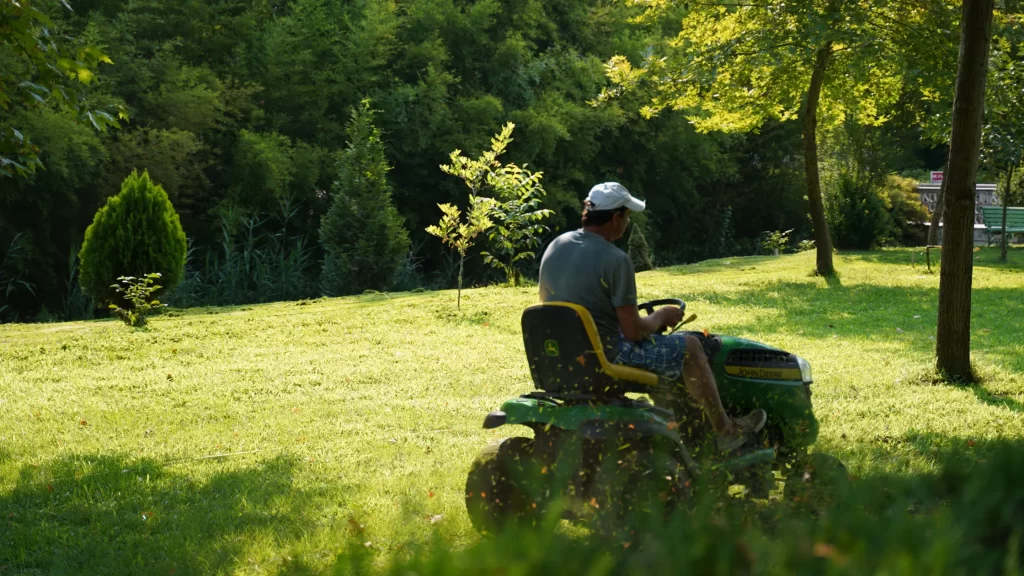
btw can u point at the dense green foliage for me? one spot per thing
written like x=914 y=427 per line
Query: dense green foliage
x=858 y=213
x=734 y=66
x=136 y=233
x=39 y=69
x=12 y=274
x=362 y=235
x=866 y=204
x=906 y=210
x=866 y=212
x=257 y=258
x=1002 y=133
x=238 y=109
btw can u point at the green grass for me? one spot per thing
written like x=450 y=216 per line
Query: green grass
x=260 y=439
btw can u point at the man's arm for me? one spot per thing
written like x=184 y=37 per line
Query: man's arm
x=623 y=292
x=636 y=327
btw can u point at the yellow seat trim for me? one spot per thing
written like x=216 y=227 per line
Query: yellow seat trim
x=615 y=371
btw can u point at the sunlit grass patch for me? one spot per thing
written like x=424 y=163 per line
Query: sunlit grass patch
x=249 y=435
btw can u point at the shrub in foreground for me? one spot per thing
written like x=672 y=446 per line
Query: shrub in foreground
x=951 y=523
x=139 y=294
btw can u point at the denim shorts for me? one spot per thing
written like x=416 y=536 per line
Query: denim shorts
x=658 y=353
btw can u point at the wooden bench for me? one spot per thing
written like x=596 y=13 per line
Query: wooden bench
x=993 y=218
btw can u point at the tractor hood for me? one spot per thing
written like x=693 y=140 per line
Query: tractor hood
x=742 y=358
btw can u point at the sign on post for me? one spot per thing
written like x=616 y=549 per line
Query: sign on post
x=936 y=177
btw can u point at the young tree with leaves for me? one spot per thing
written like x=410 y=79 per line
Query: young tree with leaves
x=362 y=235
x=516 y=211
x=462 y=235
x=953 y=340
x=735 y=65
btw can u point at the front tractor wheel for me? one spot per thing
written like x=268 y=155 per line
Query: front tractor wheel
x=503 y=487
x=816 y=481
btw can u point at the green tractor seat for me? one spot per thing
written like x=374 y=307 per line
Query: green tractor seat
x=566 y=356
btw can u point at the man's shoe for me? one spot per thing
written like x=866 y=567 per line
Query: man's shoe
x=749 y=425
x=727 y=444
x=753 y=422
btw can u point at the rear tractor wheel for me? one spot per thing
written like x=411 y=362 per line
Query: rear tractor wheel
x=503 y=486
x=647 y=485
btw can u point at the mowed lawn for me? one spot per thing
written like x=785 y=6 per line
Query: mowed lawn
x=263 y=439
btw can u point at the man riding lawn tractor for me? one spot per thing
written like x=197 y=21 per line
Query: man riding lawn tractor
x=605 y=455
x=584 y=267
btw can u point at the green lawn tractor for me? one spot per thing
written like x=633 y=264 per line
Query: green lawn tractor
x=602 y=450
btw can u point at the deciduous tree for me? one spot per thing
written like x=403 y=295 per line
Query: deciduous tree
x=953 y=340
x=516 y=193
x=735 y=65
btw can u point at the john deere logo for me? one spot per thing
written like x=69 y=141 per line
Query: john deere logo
x=551 y=348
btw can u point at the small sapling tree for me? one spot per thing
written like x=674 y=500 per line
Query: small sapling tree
x=462 y=235
x=516 y=193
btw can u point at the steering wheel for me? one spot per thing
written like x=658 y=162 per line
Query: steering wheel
x=649 y=306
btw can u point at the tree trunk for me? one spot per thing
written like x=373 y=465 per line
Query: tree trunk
x=458 y=303
x=1006 y=202
x=822 y=239
x=953 y=340
x=933 y=230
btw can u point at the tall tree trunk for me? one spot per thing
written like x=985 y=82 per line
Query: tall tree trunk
x=1007 y=193
x=953 y=341
x=933 y=230
x=822 y=239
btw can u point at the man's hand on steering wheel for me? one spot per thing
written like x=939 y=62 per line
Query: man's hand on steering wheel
x=662 y=315
x=668 y=317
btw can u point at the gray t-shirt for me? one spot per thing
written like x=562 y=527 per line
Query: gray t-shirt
x=585 y=269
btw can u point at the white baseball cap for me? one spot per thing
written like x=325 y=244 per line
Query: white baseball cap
x=612 y=195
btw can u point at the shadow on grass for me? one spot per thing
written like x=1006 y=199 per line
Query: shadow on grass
x=118 y=515
x=833 y=281
x=997 y=400
x=986 y=257
x=878 y=313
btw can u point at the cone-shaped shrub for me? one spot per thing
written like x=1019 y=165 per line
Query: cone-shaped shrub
x=639 y=251
x=363 y=235
x=136 y=233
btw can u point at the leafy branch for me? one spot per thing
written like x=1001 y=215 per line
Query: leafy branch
x=51 y=73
